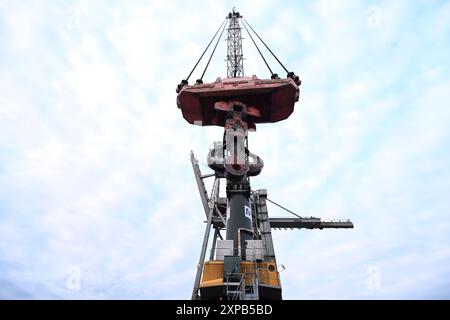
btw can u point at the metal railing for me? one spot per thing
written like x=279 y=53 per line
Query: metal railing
x=245 y=289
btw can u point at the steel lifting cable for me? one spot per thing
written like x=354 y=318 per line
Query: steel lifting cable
x=278 y=205
x=266 y=46
x=257 y=48
x=212 y=53
x=206 y=49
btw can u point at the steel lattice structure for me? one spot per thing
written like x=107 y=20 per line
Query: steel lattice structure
x=235 y=58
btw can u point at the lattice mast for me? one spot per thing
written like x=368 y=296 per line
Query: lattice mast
x=235 y=58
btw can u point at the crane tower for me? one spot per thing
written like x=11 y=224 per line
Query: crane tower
x=242 y=263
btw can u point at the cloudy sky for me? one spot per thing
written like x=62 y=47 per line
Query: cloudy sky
x=97 y=196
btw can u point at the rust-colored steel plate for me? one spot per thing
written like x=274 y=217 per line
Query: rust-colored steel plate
x=274 y=99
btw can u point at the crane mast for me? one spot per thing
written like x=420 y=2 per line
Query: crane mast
x=242 y=264
x=235 y=58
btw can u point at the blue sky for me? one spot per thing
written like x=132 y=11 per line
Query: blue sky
x=95 y=179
